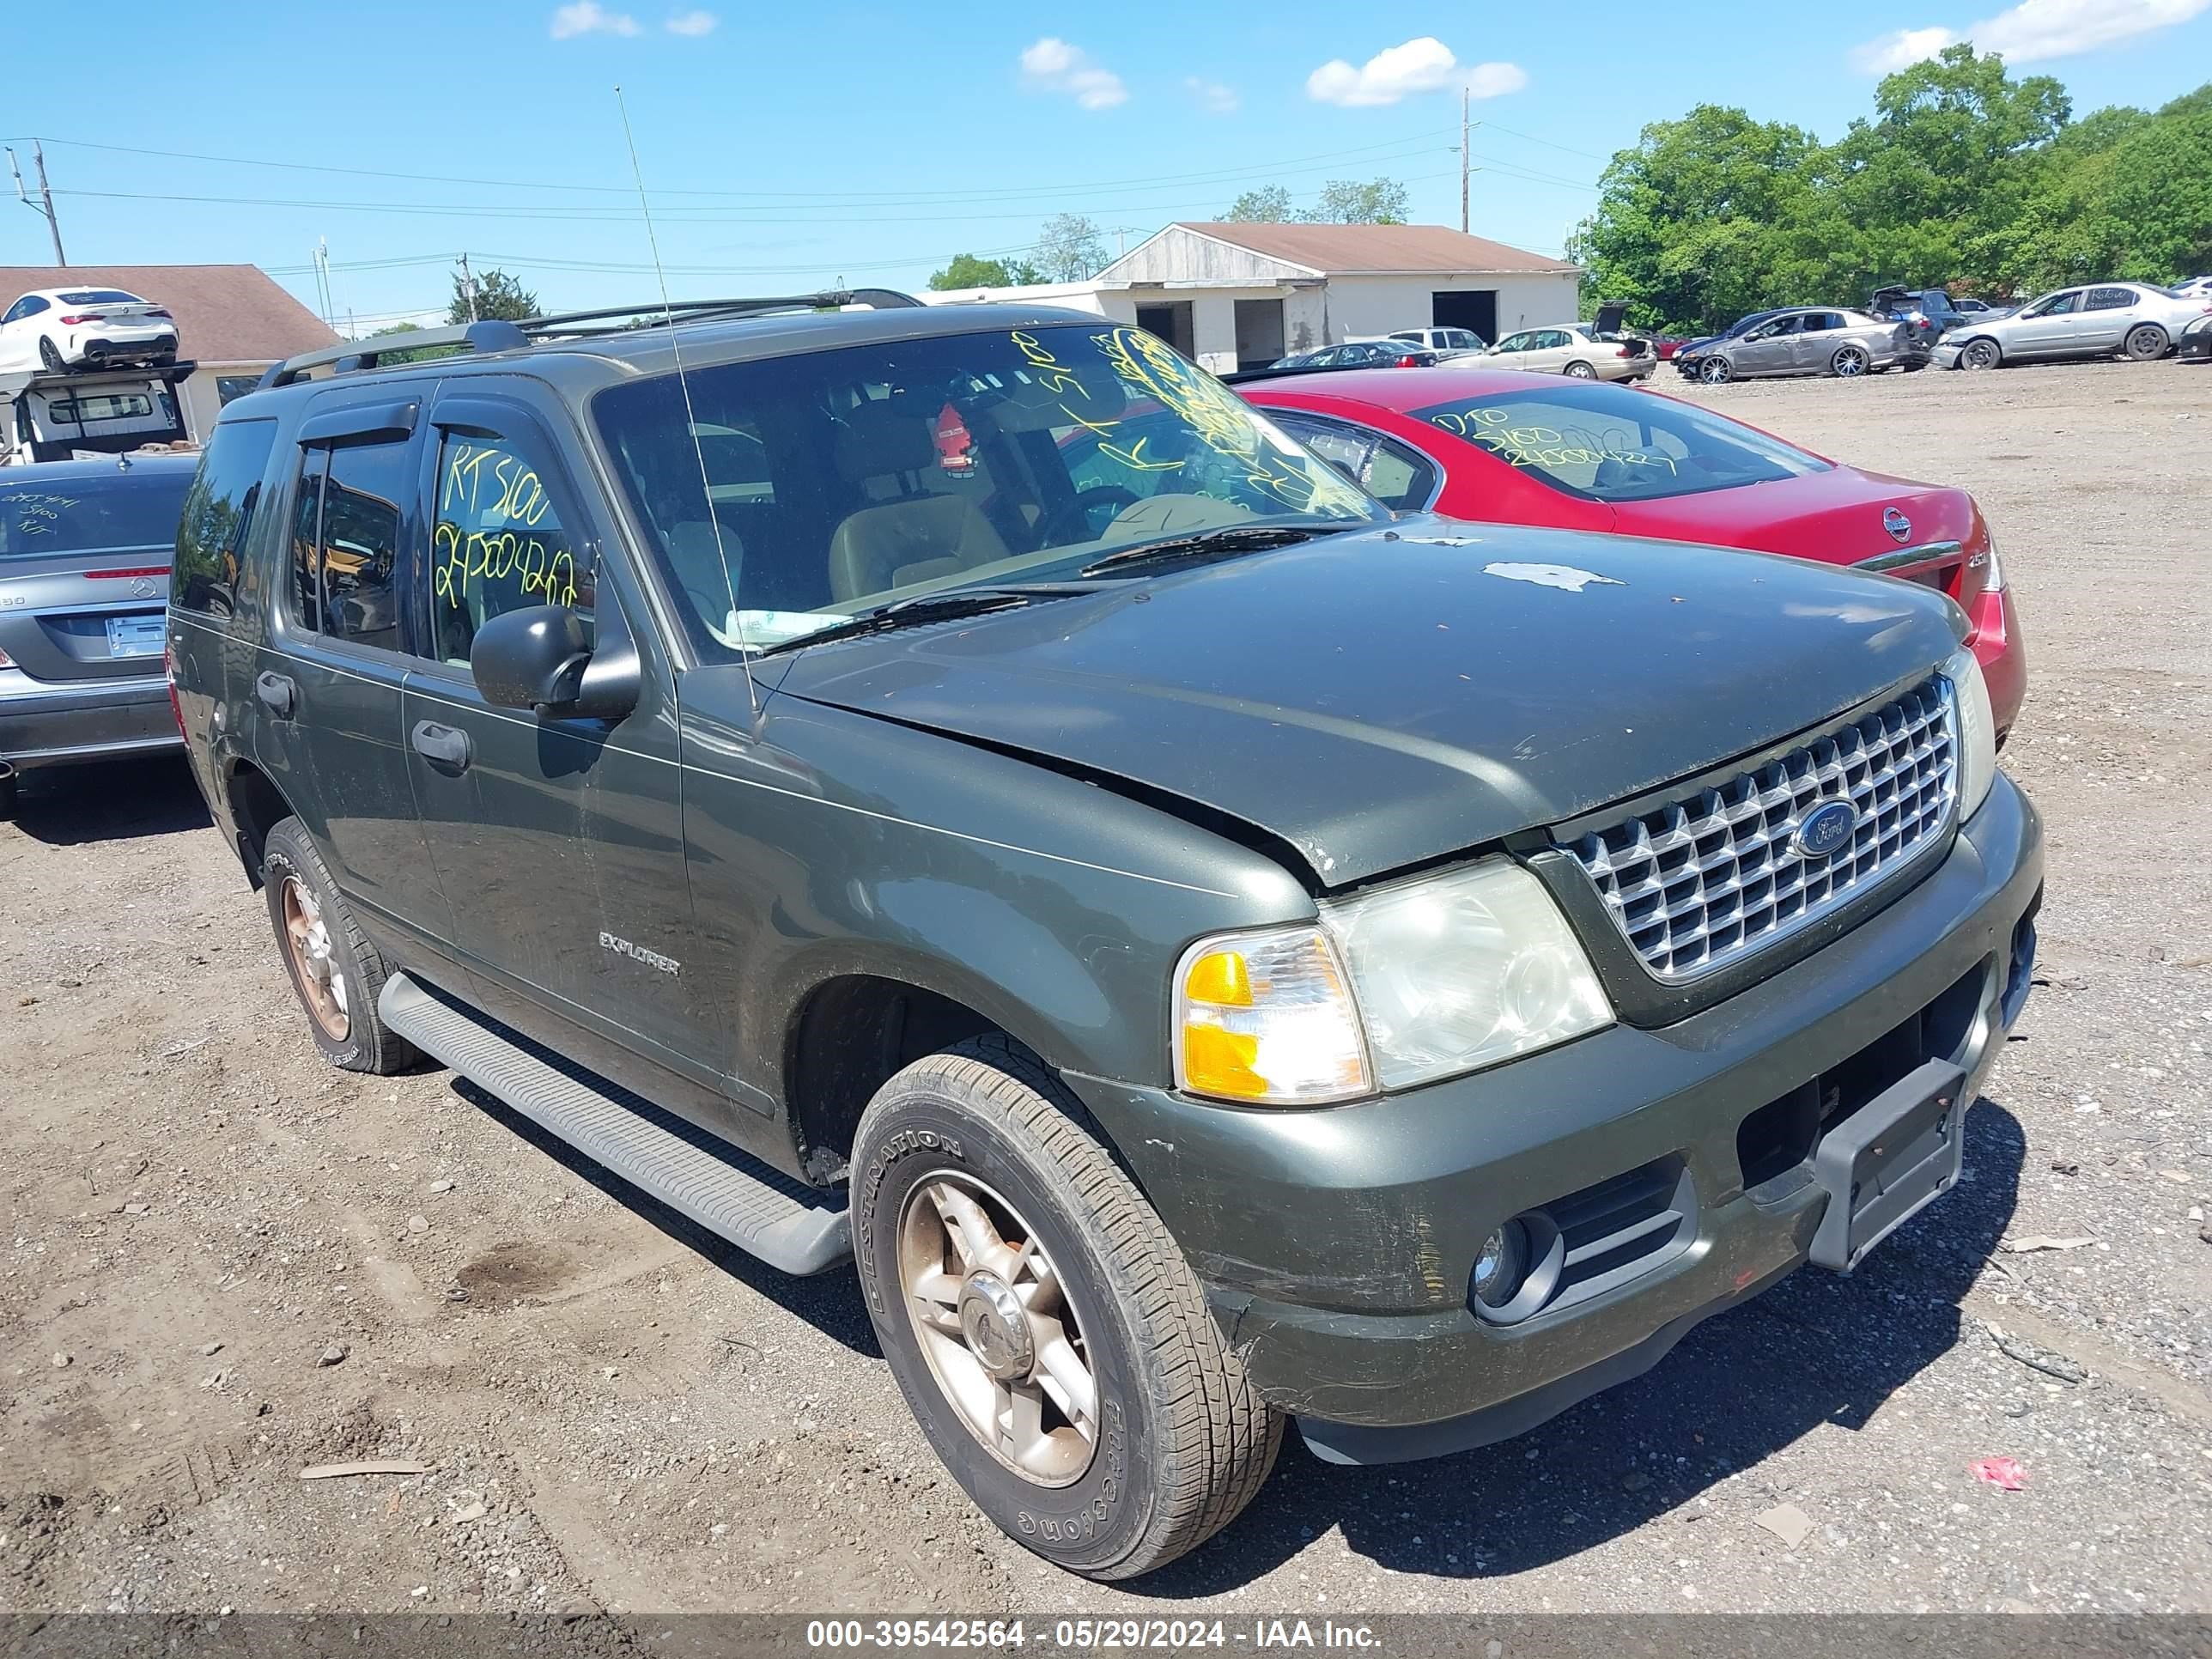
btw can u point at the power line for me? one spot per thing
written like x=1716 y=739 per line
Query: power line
x=1491 y=126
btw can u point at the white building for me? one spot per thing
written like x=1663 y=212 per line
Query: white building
x=1241 y=295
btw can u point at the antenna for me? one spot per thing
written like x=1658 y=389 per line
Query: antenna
x=690 y=419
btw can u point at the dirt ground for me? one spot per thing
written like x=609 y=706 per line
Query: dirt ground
x=622 y=1415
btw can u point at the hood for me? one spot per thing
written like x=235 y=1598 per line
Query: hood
x=1380 y=698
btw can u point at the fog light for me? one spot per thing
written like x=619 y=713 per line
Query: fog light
x=1498 y=1268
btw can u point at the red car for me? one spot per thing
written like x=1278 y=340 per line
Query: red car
x=1518 y=448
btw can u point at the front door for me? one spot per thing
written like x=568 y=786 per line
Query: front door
x=327 y=681
x=1770 y=349
x=558 y=841
x=2048 y=328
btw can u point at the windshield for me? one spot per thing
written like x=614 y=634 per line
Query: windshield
x=1614 y=443
x=90 y=515
x=800 y=491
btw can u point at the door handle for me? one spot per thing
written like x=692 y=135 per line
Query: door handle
x=278 y=693
x=448 y=745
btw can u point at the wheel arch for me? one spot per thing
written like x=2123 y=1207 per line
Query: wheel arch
x=256 y=806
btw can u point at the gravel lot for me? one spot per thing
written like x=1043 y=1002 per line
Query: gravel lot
x=624 y=1415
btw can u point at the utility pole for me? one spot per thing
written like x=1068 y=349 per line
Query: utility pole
x=45 y=205
x=1463 y=160
x=322 y=280
x=469 y=287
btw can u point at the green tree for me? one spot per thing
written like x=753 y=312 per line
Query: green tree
x=1345 y=202
x=1268 y=205
x=1070 y=248
x=498 y=296
x=973 y=271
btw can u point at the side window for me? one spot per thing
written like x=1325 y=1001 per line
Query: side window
x=345 y=541
x=218 y=514
x=2110 y=298
x=497 y=542
x=29 y=305
x=2060 y=304
x=1345 y=451
x=1398 y=476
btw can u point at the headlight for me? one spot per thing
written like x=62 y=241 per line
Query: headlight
x=1978 y=731
x=2202 y=326
x=1412 y=983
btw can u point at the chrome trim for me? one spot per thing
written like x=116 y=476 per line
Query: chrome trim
x=1926 y=553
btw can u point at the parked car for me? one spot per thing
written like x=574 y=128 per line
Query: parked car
x=1471 y=443
x=2197 y=287
x=85 y=549
x=2131 y=319
x=1805 y=340
x=977 y=880
x=1666 y=346
x=58 y=328
x=2196 y=343
x=1575 y=350
x=1930 y=311
x=1361 y=353
x=1442 y=341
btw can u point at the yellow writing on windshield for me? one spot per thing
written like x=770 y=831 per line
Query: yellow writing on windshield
x=492 y=529
x=1528 y=444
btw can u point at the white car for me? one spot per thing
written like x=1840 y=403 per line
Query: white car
x=55 y=328
x=2100 y=320
x=1575 y=349
x=1449 y=341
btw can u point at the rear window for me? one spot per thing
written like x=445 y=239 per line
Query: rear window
x=99 y=296
x=90 y=512
x=217 y=515
x=1613 y=443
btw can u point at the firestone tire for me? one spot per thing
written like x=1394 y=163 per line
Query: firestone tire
x=1180 y=1440
x=294 y=877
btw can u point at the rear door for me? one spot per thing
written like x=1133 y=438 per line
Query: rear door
x=326 y=685
x=2108 y=314
x=559 y=840
x=1818 y=334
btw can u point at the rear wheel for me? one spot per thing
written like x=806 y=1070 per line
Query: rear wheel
x=1849 y=363
x=336 y=972
x=2146 y=343
x=1716 y=371
x=1579 y=371
x=49 y=356
x=1043 y=1326
x=1980 y=353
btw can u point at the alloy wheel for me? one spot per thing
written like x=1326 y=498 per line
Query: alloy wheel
x=1714 y=371
x=993 y=1319
x=1982 y=354
x=1849 y=364
x=307 y=942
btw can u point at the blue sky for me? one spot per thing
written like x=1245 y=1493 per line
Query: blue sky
x=789 y=146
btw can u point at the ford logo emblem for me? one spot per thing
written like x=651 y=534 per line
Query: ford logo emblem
x=1899 y=527
x=1825 y=829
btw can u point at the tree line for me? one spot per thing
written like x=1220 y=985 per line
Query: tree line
x=1965 y=178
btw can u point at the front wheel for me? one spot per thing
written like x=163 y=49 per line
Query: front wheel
x=1045 y=1330
x=1579 y=372
x=1716 y=371
x=1980 y=353
x=1849 y=364
x=2146 y=343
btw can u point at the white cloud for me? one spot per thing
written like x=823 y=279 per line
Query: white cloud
x=590 y=17
x=2032 y=32
x=1423 y=65
x=1214 y=97
x=693 y=22
x=1053 y=66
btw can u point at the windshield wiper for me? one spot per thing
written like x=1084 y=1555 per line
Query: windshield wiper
x=921 y=608
x=1225 y=539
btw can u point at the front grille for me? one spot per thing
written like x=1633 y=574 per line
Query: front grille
x=1703 y=880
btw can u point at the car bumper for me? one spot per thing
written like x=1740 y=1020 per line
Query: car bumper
x=2197 y=346
x=1337 y=1247
x=113 y=721
x=119 y=345
x=2002 y=653
x=1945 y=355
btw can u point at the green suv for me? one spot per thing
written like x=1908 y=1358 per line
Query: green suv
x=956 y=789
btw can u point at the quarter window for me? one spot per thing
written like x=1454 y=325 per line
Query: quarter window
x=345 y=538
x=497 y=541
x=218 y=514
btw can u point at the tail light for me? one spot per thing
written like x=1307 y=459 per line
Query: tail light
x=1408 y=363
x=157 y=311
x=6 y=661
x=1622 y=351
x=74 y=322
x=169 y=673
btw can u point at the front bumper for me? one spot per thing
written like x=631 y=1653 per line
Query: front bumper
x=2196 y=345
x=112 y=719
x=1337 y=1246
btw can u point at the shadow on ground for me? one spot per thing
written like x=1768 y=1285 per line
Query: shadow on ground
x=74 y=806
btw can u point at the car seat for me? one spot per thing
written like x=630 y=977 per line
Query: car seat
x=911 y=535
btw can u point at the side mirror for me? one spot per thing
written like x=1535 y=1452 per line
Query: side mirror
x=533 y=658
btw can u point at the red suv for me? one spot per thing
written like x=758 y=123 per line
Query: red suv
x=1515 y=448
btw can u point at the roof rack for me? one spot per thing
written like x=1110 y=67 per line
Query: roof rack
x=491 y=335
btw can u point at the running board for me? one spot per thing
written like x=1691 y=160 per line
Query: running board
x=786 y=1223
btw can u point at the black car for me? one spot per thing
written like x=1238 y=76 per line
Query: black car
x=1363 y=354
x=954 y=789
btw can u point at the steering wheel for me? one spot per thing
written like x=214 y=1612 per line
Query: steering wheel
x=1089 y=501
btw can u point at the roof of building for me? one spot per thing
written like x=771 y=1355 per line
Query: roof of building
x=225 y=313
x=1354 y=249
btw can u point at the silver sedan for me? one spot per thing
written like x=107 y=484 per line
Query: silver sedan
x=1810 y=340
x=2100 y=321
